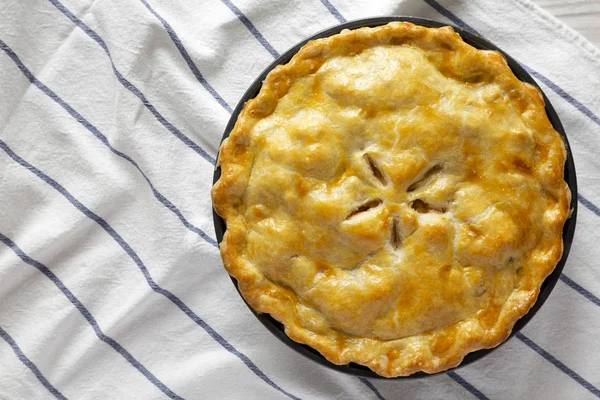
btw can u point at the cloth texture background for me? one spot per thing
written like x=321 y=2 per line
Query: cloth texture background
x=111 y=285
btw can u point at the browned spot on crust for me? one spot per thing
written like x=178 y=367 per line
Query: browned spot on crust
x=442 y=342
x=521 y=165
x=301 y=187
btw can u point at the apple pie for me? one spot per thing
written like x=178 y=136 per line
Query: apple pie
x=394 y=197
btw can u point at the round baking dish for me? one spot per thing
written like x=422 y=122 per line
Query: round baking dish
x=275 y=327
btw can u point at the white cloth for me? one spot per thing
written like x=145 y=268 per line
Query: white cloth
x=110 y=283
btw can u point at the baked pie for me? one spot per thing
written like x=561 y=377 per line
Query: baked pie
x=394 y=197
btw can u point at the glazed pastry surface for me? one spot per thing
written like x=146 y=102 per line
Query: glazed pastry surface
x=393 y=196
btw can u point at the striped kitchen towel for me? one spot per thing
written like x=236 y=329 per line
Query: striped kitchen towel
x=111 y=285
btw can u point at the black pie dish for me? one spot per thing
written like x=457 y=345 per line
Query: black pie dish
x=277 y=329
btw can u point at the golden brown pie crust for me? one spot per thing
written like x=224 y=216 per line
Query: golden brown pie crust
x=393 y=196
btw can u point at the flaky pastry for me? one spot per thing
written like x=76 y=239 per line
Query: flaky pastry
x=394 y=197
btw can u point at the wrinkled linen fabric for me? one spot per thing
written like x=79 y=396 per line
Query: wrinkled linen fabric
x=111 y=284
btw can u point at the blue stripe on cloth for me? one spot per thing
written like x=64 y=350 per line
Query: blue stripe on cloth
x=372 y=387
x=593 y=208
x=334 y=11
x=575 y=286
x=554 y=361
x=589 y=205
x=159 y=196
x=136 y=259
x=131 y=87
x=472 y=389
x=188 y=59
x=561 y=92
x=455 y=20
x=29 y=364
x=261 y=39
x=81 y=308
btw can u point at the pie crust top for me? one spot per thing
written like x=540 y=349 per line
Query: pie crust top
x=394 y=197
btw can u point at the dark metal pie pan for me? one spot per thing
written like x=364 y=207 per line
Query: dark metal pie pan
x=275 y=327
